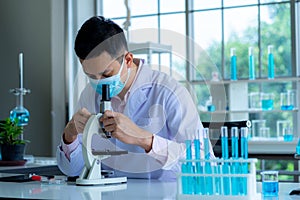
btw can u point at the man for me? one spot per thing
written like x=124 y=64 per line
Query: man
x=152 y=114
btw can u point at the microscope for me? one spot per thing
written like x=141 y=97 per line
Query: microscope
x=91 y=173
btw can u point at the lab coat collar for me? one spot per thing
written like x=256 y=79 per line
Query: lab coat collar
x=138 y=93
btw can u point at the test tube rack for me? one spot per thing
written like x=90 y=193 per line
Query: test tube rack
x=196 y=184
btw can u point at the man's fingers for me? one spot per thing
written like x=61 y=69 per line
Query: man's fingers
x=84 y=112
x=108 y=121
x=110 y=128
x=109 y=114
x=80 y=119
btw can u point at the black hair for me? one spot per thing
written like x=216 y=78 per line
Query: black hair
x=98 y=35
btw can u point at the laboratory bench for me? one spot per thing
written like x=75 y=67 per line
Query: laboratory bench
x=60 y=188
x=133 y=189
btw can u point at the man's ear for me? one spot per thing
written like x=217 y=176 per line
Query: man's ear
x=129 y=59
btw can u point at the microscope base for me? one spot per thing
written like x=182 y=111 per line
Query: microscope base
x=103 y=181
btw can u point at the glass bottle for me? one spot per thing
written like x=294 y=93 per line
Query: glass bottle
x=233 y=69
x=270 y=62
x=251 y=64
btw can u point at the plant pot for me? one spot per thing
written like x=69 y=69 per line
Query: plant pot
x=12 y=152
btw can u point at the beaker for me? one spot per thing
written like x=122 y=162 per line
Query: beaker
x=254 y=101
x=256 y=126
x=264 y=132
x=287 y=100
x=270 y=186
x=267 y=101
x=280 y=125
x=288 y=134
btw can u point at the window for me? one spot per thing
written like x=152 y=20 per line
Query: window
x=213 y=28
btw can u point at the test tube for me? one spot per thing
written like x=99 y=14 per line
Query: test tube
x=244 y=155
x=225 y=166
x=188 y=145
x=199 y=169
x=189 y=167
x=197 y=146
x=233 y=64
x=244 y=142
x=224 y=140
x=235 y=166
x=234 y=142
x=208 y=169
x=216 y=179
x=206 y=143
x=251 y=64
x=199 y=182
x=270 y=62
x=184 y=179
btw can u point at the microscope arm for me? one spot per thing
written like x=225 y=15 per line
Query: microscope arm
x=91 y=173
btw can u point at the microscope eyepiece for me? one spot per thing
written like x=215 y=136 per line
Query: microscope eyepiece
x=105 y=93
x=105 y=104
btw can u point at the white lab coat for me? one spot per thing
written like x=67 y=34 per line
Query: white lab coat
x=158 y=104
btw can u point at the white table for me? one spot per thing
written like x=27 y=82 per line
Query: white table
x=134 y=189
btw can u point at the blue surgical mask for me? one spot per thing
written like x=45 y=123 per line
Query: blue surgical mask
x=114 y=82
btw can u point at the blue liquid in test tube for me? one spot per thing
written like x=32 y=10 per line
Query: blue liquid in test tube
x=224 y=140
x=235 y=144
x=270 y=62
x=235 y=166
x=206 y=143
x=184 y=179
x=217 y=180
x=208 y=169
x=244 y=155
x=225 y=156
x=199 y=169
x=190 y=169
x=244 y=142
x=251 y=64
x=233 y=69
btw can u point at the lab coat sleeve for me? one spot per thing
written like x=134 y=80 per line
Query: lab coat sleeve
x=70 y=160
x=166 y=151
x=73 y=165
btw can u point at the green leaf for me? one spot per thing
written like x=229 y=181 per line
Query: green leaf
x=10 y=132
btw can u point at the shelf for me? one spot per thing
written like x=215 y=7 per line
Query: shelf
x=246 y=111
x=272 y=146
x=259 y=80
x=144 y=48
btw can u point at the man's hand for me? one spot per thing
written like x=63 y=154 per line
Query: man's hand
x=76 y=125
x=122 y=128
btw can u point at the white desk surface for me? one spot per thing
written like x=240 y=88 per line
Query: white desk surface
x=134 y=189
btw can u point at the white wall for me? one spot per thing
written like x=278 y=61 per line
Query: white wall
x=44 y=30
x=29 y=26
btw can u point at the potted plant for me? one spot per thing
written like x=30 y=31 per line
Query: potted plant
x=11 y=144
